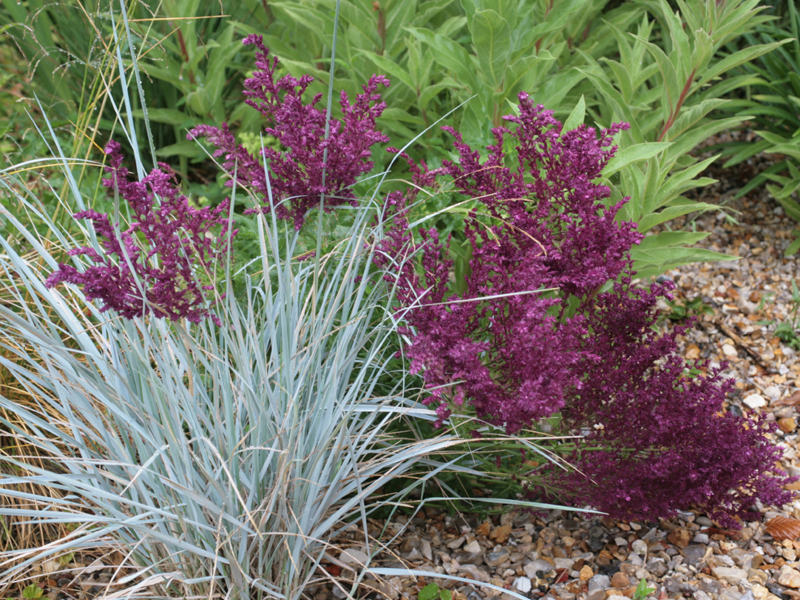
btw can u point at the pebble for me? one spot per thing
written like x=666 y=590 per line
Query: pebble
x=599 y=582
x=501 y=534
x=410 y=543
x=729 y=351
x=536 y=566
x=473 y=547
x=789 y=577
x=426 y=550
x=639 y=547
x=456 y=543
x=694 y=553
x=732 y=575
x=414 y=555
x=755 y=401
x=657 y=567
x=564 y=563
x=468 y=558
x=773 y=392
x=710 y=586
x=523 y=584
x=680 y=537
x=620 y=580
x=495 y=559
x=742 y=558
x=476 y=573
x=353 y=557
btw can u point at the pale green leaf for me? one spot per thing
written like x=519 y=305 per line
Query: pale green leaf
x=633 y=154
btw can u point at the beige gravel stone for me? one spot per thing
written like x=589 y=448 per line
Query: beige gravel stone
x=789 y=577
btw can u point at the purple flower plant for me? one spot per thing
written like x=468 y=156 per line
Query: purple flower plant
x=177 y=234
x=535 y=335
x=299 y=177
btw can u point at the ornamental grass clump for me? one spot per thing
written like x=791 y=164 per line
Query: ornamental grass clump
x=552 y=325
x=219 y=461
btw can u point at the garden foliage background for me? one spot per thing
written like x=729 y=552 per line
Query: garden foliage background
x=222 y=454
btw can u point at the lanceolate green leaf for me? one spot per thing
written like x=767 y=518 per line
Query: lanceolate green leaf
x=576 y=117
x=634 y=154
x=491 y=35
x=673 y=212
x=653 y=261
x=449 y=54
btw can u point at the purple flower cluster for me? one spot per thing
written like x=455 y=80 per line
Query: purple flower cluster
x=179 y=237
x=535 y=335
x=299 y=177
x=508 y=341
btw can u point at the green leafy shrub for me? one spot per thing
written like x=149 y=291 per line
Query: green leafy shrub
x=773 y=99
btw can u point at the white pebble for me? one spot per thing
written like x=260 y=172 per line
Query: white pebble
x=523 y=584
x=755 y=401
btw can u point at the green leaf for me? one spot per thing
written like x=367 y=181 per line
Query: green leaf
x=633 y=154
x=170 y=116
x=688 y=141
x=793 y=247
x=302 y=17
x=790 y=206
x=679 y=182
x=576 y=117
x=170 y=75
x=429 y=10
x=671 y=83
x=32 y=592
x=652 y=262
x=432 y=91
x=398 y=114
x=429 y=592
x=616 y=102
x=734 y=60
x=218 y=62
x=491 y=35
x=672 y=212
x=450 y=54
x=669 y=239
x=185 y=148
x=389 y=67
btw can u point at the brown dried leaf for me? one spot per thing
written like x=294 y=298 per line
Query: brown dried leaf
x=792 y=400
x=783 y=528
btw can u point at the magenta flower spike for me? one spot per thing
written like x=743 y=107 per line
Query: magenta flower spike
x=179 y=235
x=296 y=173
